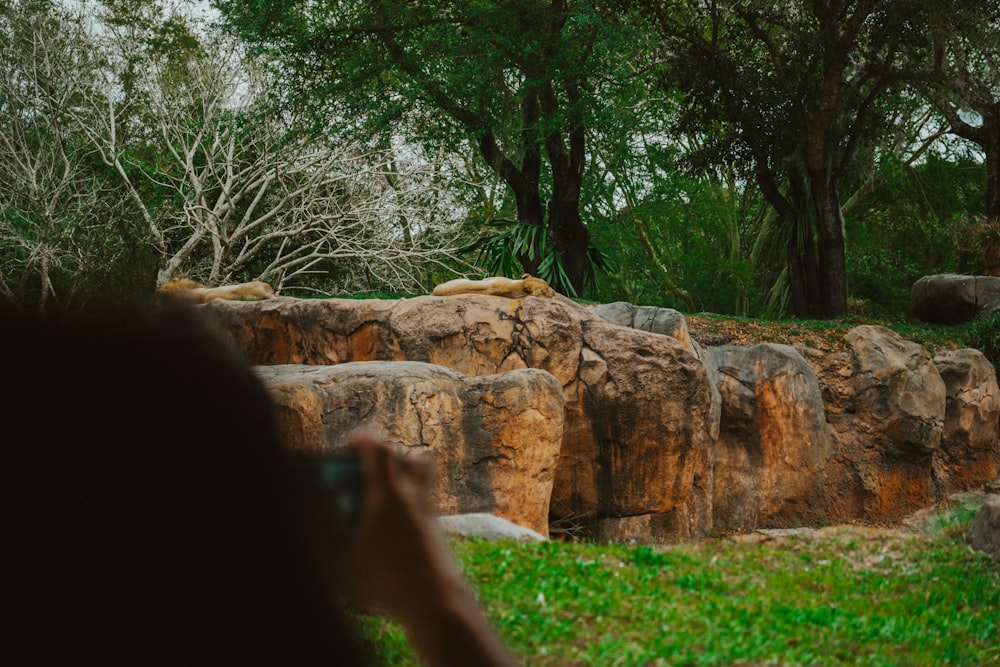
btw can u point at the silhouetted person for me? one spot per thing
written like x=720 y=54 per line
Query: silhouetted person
x=151 y=519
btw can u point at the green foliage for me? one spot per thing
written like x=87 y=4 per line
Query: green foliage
x=525 y=82
x=500 y=254
x=984 y=335
x=906 y=228
x=843 y=599
x=701 y=233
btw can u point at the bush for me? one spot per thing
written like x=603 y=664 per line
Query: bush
x=984 y=335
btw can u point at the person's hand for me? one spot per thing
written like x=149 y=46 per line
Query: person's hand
x=399 y=559
x=398 y=554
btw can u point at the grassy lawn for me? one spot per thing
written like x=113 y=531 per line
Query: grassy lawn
x=842 y=595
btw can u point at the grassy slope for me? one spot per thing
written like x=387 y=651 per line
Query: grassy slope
x=839 y=596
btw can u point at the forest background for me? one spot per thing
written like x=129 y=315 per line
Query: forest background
x=761 y=159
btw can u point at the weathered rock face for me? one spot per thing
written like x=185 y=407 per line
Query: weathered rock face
x=885 y=405
x=898 y=390
x=493 y=440
x=661 y=440
x=952 y=298
x=970 y=452
x=773 y=443
x=637 y=405
x=636 y=438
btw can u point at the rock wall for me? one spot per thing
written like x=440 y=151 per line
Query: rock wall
x=638 y=406
x=493 y=440
x=661 y=439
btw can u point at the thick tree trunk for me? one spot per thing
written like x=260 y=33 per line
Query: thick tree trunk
x=523 y=181
x=530 y=211
x=832 y=254
x=992 y=149
x=570 y=236
x=572 y=240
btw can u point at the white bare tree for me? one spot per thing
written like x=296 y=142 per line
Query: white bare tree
x=241 y=197
x=53 y=203
x=104 y=121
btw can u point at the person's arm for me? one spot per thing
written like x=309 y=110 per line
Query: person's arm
x=402 y=563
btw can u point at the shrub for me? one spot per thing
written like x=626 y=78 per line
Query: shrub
x=984 y=335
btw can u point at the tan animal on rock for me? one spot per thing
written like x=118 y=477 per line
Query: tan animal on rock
x=189 y=291
x=527 y=285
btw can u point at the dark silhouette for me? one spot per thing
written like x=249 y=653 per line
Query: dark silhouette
x=150 y=519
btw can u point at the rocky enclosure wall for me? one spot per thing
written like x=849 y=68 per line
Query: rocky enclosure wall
x=660 y=439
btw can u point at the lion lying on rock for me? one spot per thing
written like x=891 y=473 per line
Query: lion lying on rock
x=189 y=291
x=527 y=285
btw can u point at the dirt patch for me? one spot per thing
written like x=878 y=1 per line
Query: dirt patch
x=712 y=331
x=821 y=335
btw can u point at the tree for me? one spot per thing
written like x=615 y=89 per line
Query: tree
x=678 y=237
x=136 y=148
x=960 y=74
x=238 y=195
x=524 y=80
x=55 y=199
x=797 y=90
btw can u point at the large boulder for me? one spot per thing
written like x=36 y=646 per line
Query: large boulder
x=493 y=440
x=636 y=437
x=885 y=406
x=970 y=451
x=951 y=298
x=898 y=390
x=665 y=321
x=661 y=438
x=637 y=405
x=773 y=442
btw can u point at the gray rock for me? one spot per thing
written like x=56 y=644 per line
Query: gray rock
x=663 y=321
x=951 y=298
x=488 y=526
x=984 y=533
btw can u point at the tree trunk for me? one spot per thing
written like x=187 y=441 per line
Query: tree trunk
x=992 y=149
x=523 y=181
x=570 y=236
x=572 y=240
x=530 y=211
x=832 y=254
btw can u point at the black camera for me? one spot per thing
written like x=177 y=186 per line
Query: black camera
x=331 y=487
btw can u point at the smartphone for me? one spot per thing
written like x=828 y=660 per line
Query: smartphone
x=332 y=487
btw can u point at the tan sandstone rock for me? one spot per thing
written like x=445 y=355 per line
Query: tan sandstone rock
x=773 y=443
x=642 y=412
x=885 y=404
x=898 y=388
x=969 y=455
x=493 y=440
x=637 y=404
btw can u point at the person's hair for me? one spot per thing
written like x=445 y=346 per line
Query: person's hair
x=149 y=522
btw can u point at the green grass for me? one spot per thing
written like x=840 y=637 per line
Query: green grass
x=847 y=598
